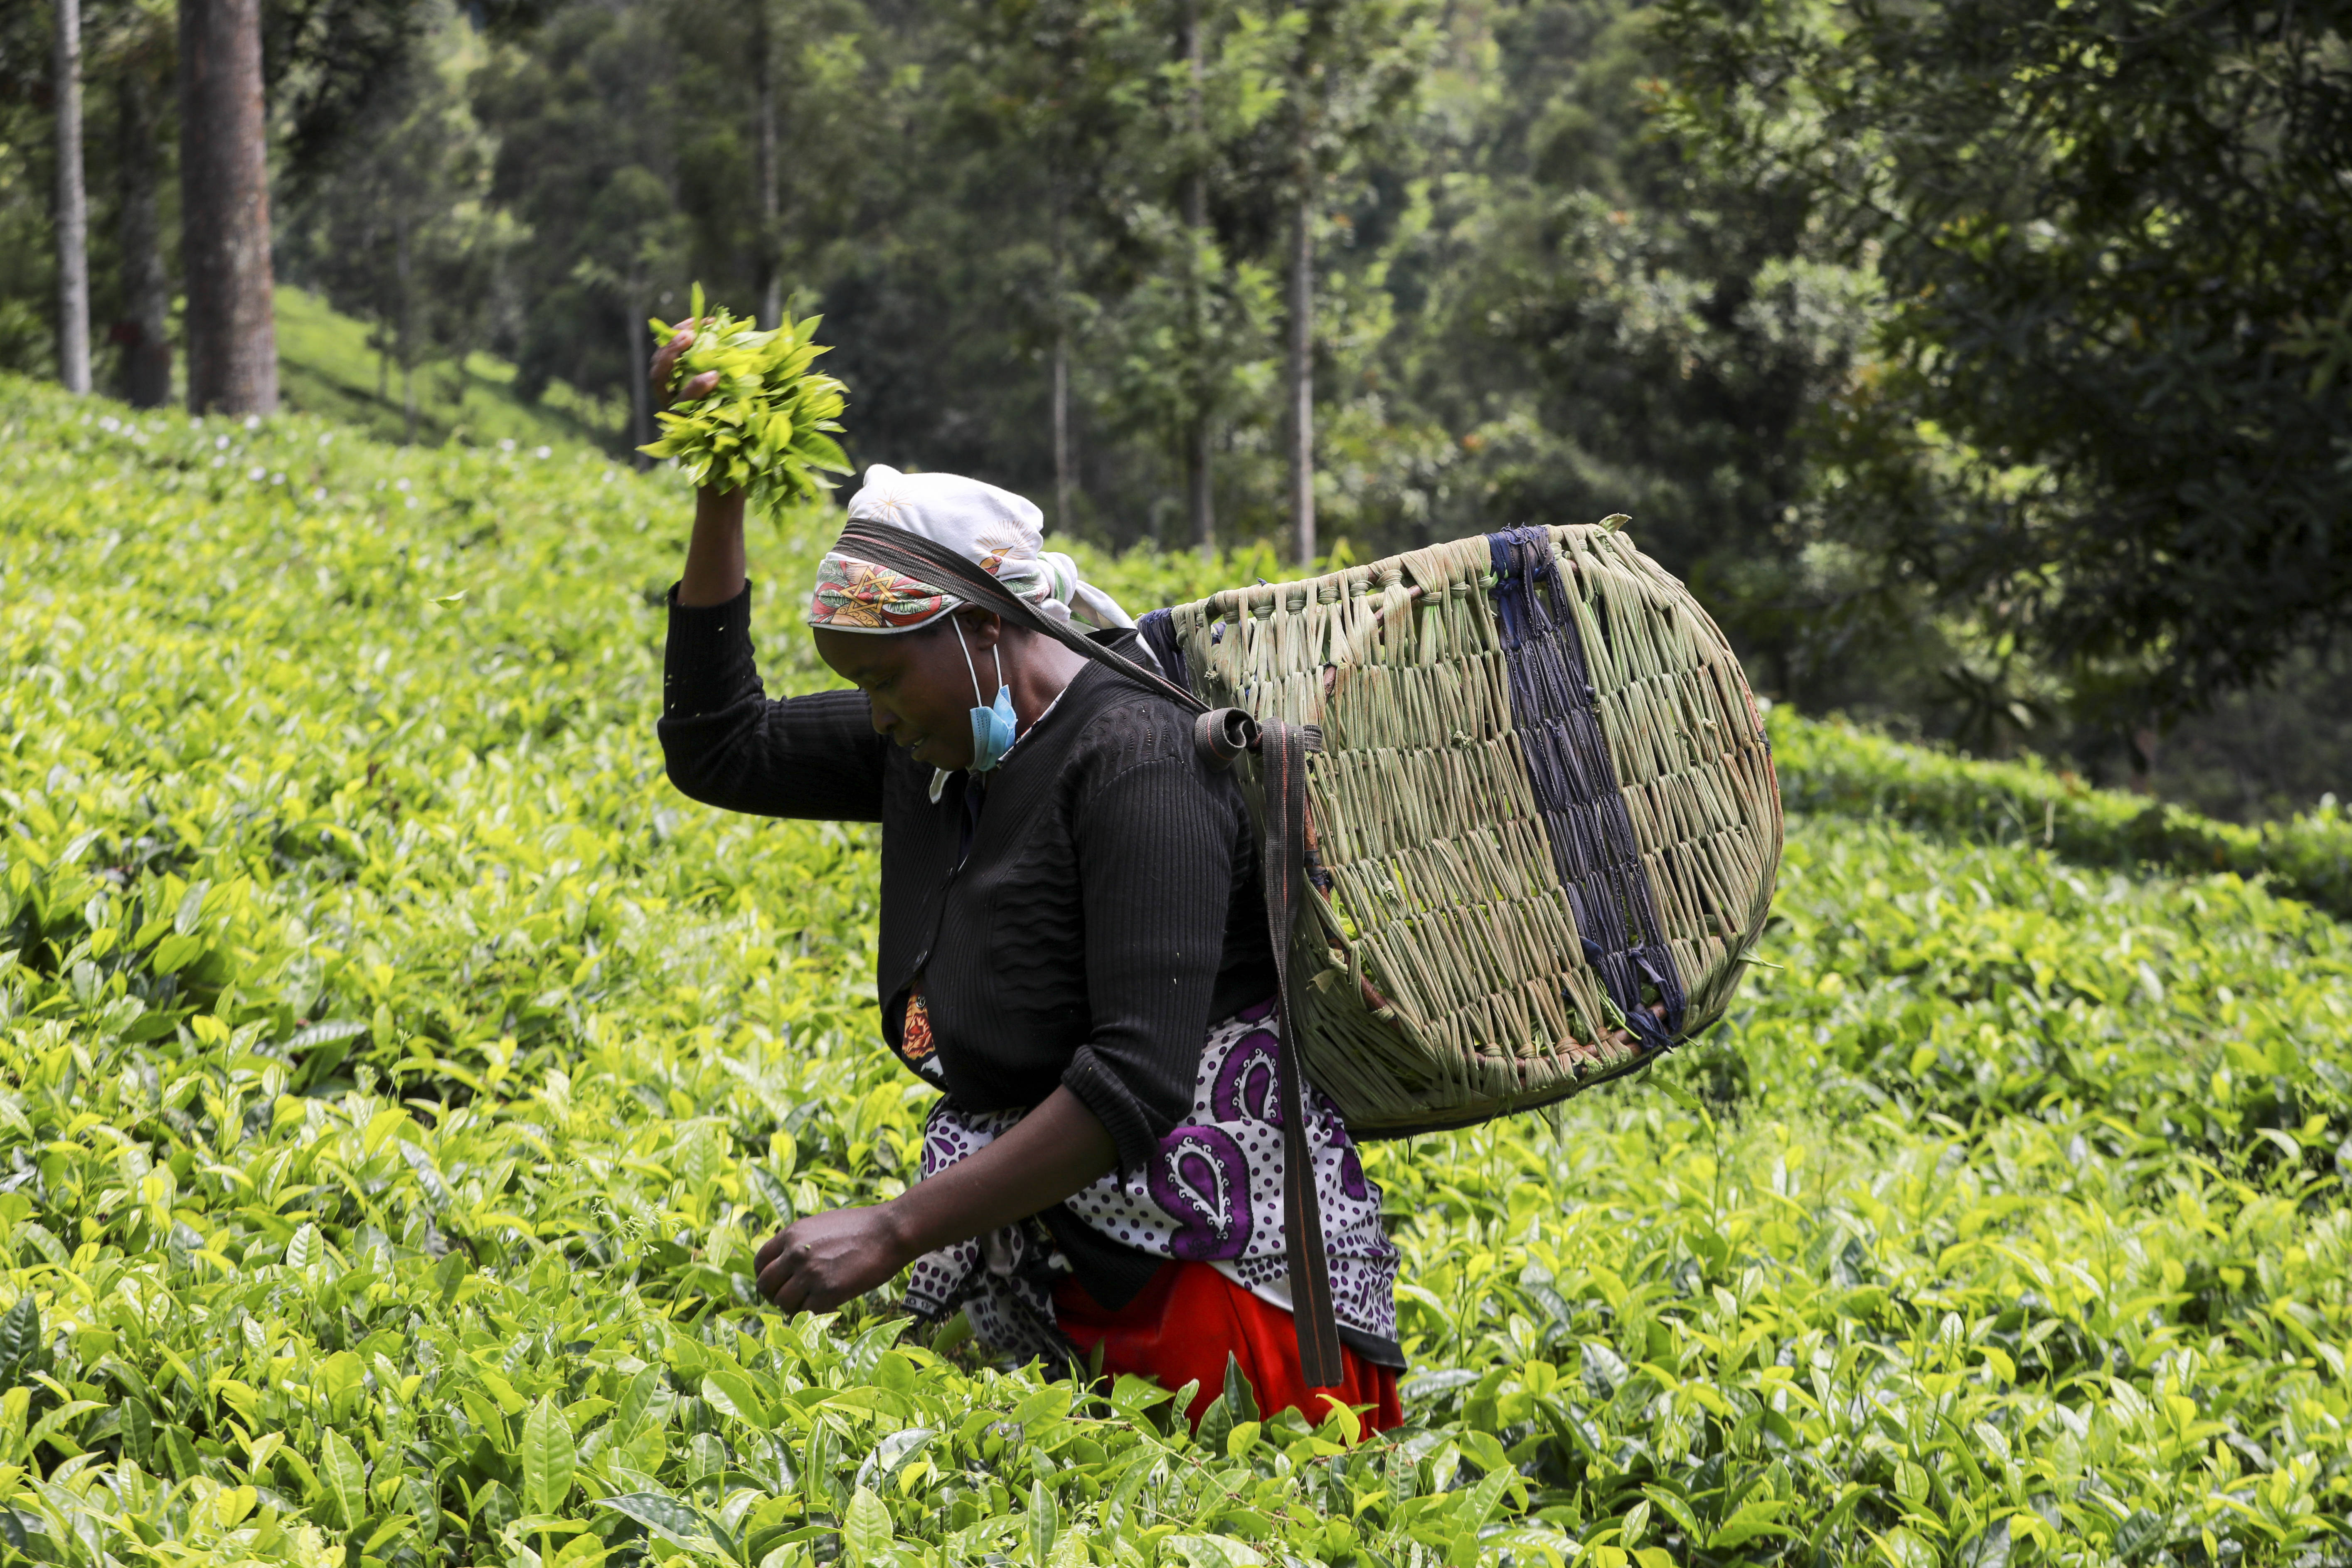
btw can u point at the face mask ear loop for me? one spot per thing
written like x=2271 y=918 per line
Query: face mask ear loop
x=999 y=651
x=971 y=667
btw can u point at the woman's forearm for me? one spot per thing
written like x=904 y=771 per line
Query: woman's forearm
x=714 y=554
x=816 y=1264
x=1047 y=1156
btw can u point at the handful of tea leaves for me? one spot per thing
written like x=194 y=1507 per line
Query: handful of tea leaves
x=764 y=429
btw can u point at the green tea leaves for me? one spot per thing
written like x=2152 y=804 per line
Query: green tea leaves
x=343 y=1482
x=765 y=427
x=866 y=1530
x=20 y=1336
x=549 y=1459
x=679 y=1523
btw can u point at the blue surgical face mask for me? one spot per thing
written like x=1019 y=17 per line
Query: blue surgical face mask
x=991 y=726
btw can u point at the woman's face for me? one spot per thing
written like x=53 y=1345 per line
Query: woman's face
x=917 y=684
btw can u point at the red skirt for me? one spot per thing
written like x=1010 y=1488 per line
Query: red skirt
x=1181 y=1327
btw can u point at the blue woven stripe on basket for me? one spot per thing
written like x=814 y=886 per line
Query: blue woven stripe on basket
x=1558 y=715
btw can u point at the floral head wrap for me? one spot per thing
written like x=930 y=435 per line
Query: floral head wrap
x=997 y=528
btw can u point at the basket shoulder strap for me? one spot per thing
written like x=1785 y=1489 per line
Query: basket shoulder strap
x=1282 y=761
x=905 y=551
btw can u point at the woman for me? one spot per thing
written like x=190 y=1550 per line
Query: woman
x=1073 y=949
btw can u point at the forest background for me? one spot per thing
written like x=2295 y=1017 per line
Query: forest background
x=1977 y=362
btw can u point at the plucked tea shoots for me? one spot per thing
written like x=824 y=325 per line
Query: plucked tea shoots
x=766 y=428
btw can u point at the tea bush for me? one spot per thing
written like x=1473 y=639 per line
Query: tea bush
x=1830 y=766
x=397 y=1077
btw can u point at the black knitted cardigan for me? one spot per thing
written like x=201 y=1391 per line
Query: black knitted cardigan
x=1106 y=913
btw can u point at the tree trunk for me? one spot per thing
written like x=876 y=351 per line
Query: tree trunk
x=224 y=209
x=73 y=207
x=407 y=339
x=1066 y=487
x=1198 y=494
x=145 y=328
x=634 y=365
x=771 y=303
x=2143 y=750
x=1302 y=369
x=1064 y=482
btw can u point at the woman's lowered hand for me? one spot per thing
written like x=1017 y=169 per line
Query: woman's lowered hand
x=814 y=1265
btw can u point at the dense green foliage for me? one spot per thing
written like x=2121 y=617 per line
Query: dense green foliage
x=1833 y=767
x=2114 y=236
x=330 y=364
x=395 y=1075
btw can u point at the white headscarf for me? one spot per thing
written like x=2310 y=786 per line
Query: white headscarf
x=996 y=529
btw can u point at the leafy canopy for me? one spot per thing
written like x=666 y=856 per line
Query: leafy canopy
x=2105 y=232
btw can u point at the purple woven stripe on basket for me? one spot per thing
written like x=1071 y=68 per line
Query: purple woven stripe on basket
x=1558 y=715
x=1157 y=628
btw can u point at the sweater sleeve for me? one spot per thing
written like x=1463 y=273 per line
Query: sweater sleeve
x=1155 y=862
x=726 y=744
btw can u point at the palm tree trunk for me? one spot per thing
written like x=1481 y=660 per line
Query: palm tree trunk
x=146 y=286
x=1064 y=481
x=73 y=207
x=224 y=209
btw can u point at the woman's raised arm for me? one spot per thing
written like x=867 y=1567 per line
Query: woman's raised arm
x=714 y=554
x=715 y=571
x=724 y=741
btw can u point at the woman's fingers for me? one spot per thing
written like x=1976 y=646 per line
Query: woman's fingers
x=665 y=366
x=777 y=1273
x=791 y=1294
x=814 y=1264
x=664 y=370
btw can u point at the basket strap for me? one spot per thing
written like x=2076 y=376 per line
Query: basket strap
x=909 y=552
x=1282 y=761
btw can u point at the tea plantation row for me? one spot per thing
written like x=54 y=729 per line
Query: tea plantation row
x=395 y=1076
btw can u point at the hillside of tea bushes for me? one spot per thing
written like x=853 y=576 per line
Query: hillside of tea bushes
x=395 y=1076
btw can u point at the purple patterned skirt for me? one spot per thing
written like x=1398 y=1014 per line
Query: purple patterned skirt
x=1211 y=1194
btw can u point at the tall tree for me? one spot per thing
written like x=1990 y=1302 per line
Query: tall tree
x=390 y=226
x=1354 y=72
x=768 y=262
x=224 y=209
x=143 y=325
x=1199 y=503
x=73 y=207
x=1041 y=93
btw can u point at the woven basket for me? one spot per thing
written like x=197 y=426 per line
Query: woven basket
x=1543 y=826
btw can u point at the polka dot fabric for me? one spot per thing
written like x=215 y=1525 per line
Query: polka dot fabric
x=1212 y=1194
